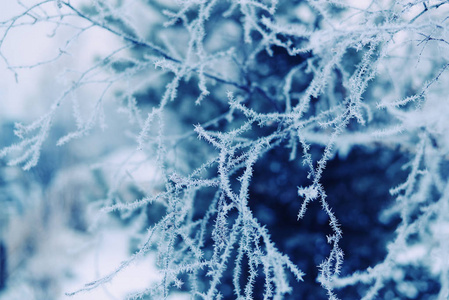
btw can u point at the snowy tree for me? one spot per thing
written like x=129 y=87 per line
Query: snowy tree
x=258 y=149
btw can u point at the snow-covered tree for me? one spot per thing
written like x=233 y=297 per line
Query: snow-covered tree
x=261 y=149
